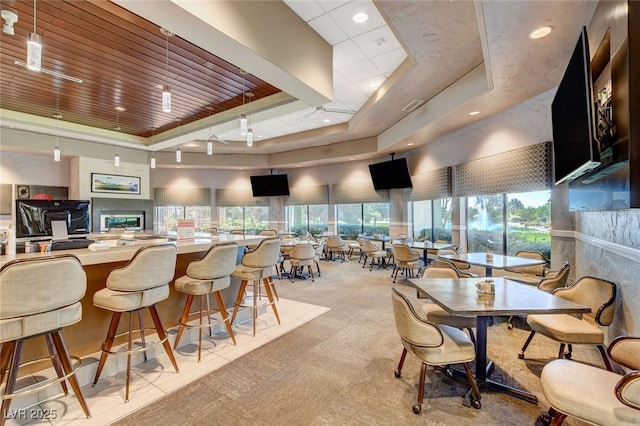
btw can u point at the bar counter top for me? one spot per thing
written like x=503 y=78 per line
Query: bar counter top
x=119 y=253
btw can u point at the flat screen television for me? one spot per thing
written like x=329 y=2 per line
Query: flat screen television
x=575 y=148
x=390 y=174
x=269 y=185
x=33 y=217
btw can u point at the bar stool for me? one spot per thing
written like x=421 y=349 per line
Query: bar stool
x=257 y=266
x=139 y=284
x=211 y=274
x=38 y=297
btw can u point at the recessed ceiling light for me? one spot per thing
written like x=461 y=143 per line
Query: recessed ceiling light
x=352 y=158
x=540 y=32
x=474 y=113
x=360 y=18
x=410 y=144
x=57 y=116
x=326 y=120
x=297 y=165
x=374 y=84
x=119 y=108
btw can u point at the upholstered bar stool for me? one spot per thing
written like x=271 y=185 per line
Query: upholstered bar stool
x=37 y=298
x=257 y=267
x=139 y=284
x=211 y=274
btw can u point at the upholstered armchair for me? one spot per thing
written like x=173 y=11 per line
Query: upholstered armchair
x=373 y=252
x=407 y=260
x=527 y=274
x=596 y=293
x=594 y=395
x=432 y=344
x=302 y=255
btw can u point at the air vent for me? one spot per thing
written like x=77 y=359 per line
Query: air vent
x=413 y=105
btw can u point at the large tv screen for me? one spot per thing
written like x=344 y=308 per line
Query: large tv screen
x=33 y=217
x=269 y=185
x=575 y=149
x=390 y=174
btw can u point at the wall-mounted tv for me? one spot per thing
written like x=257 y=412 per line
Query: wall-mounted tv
x=390 y=174
x=575 y=149
x=33 y=217
x=269 y=185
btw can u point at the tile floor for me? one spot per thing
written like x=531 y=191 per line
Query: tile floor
x=156 y=378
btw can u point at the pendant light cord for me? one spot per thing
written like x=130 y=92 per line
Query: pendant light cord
x=35 y=10
x=166 y=69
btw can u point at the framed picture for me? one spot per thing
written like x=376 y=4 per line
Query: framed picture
x=115 y=184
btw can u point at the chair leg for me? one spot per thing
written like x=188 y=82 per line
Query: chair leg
x=129 y=348
x=605 y=358
x=561 y=352
x=474 y=386
x=108 y=343
x=472 y=335
x=243 y=287
x=318 y=267
x=273 y=287
x=526 y=344
x=423 y=372
x=183 y=319
x=269 y=290
x=141 y=325
x=313 y=279
x=14 y=363
x=5 y=357
x=55 y=360
x=224 y=315
x=63 y=353
x=163 y=336
x=398 y=372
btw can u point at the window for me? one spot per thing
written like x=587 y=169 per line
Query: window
x=370 y=218
x=432 y=219
x=308 y=218
x=508 y=223
x=529 y=222
x=166 y=217
x=250 y=219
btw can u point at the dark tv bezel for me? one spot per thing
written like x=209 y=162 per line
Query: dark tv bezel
x=573 y=124
x=390 y=174
x=270 y=185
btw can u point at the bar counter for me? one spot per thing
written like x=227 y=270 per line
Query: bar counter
x=86 y=337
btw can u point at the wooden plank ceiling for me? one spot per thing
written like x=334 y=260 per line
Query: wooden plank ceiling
x=122 y=60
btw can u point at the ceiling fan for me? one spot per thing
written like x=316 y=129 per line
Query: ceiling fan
x=320 y=109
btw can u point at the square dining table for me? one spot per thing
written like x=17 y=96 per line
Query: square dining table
x=460 y=297
x=425 y=246
x=497 y=262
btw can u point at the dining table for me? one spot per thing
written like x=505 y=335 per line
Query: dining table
x=491 y=261
x=459 y=296
x=426 y=246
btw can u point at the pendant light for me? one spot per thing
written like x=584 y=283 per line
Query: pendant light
x=153 y=153
x=243 y=117
x=56 y=150
x=166 y=90
x=178 y=151
x=34 y=46
x=249 y=137
x=209 y=143
x=116 y=158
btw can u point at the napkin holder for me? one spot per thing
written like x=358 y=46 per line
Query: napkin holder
x=486 y=287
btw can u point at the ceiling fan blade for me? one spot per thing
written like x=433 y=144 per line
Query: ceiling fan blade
x=339 y=111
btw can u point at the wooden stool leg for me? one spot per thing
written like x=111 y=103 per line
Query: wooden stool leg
x=14 y=363
x=162 y=335
x=5 y=357
x=63 y=352
x=267 y=288
x=254 y=309
x=200 y=330
x=108 y=343
x=183 y=319
x=224 y=315
x=55 y=360
x=243 y=286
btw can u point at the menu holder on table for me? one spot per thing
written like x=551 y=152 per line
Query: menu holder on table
x=186 y=230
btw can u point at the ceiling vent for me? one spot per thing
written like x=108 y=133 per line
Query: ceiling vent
x=413 y=105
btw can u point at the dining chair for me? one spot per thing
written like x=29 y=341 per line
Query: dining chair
x=336 y=246
x=527 y=274
x=552 y=281
x=594 y=395
x=433 y=345
x=461 y=265
x=373 y=252
x=407 y=260
x=446 y=263
x=434 y=313
x=302 y=255
x=596 y=293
